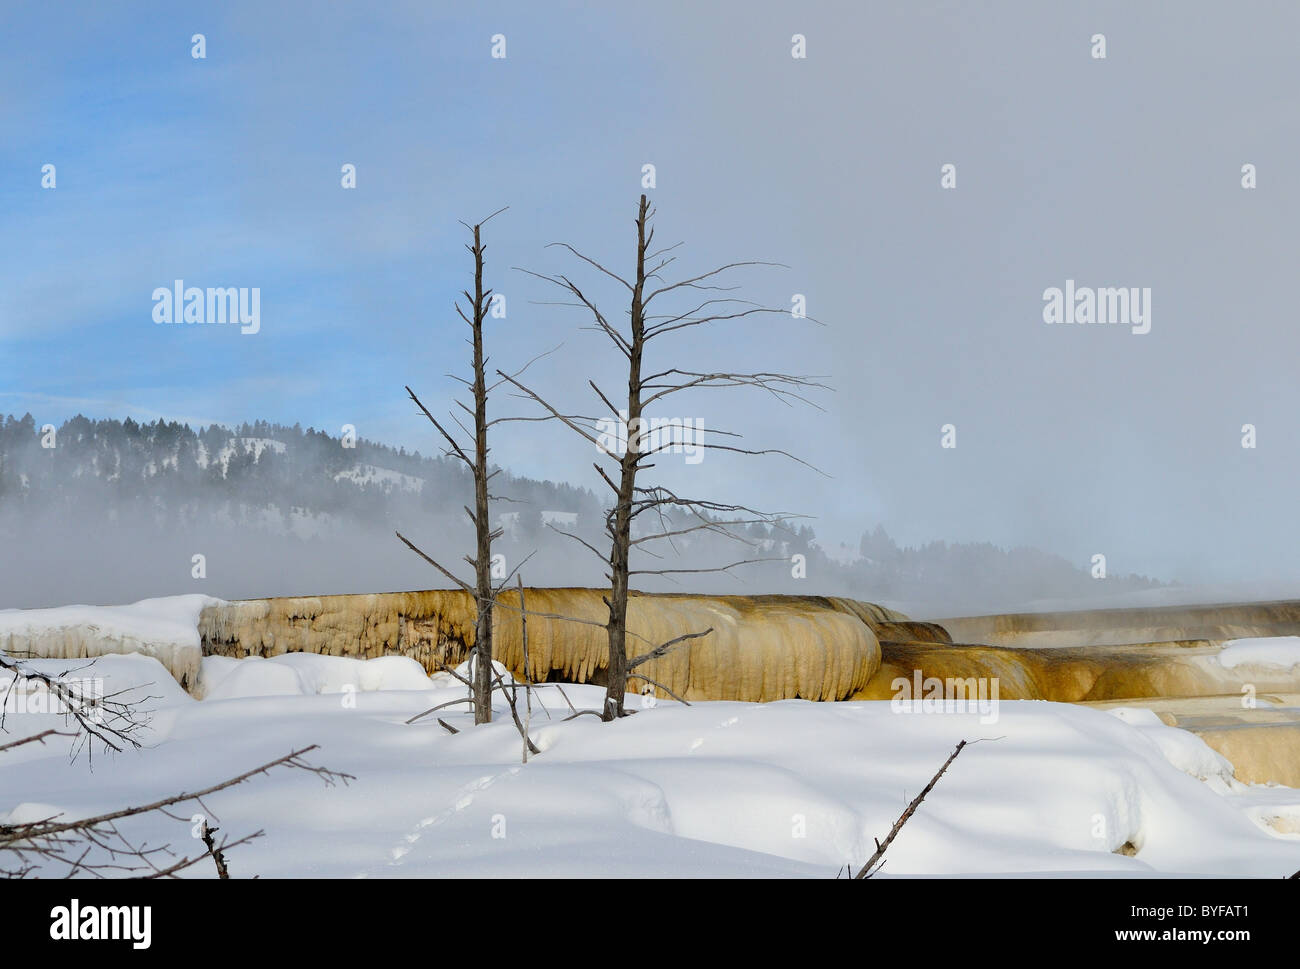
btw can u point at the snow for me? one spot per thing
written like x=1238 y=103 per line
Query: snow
x=305 y=674
x=792 y=788
x=249 y=445
x=1183 y=749
x=171 y=620
x=164 y=628
x=1282 y=652
x=239 y=445
x=369 y=474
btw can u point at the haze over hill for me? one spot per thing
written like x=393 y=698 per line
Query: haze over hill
x=116 y=511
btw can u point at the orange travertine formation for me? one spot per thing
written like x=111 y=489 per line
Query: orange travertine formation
x=760 y=648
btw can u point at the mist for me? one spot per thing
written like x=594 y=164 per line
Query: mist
x=109 y=511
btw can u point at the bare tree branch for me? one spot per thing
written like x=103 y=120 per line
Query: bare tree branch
x=664 y=648
x=97 y=846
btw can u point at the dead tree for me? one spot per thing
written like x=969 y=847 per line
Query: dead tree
x=474 y=455
x=633 y=502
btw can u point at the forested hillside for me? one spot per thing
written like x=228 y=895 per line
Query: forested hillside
x=112 y=511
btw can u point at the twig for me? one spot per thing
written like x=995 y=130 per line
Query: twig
x=449 y=703
x=37 y=738
x=663 y=649
x=642 y=676
x=528 y=687
x=218 y=856
x=868 y=870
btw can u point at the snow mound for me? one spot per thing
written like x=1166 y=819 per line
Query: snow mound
x=165 y=629
x=1183 y=749
x=1278 y=652
x=29 y=812
x=306 y=674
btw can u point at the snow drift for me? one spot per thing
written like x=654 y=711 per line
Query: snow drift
x=779 y=789
x=166 y=629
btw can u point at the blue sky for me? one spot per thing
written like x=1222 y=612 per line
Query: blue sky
x=1124 y=172
x=226 y=171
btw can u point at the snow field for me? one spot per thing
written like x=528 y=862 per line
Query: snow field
x=792 y=788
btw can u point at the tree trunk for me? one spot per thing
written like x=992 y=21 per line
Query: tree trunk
x=621 y=530
x=482 y=524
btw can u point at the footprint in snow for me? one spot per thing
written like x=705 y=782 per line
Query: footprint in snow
x=467 y=792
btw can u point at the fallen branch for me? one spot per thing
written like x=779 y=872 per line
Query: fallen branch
x=71 y=843
x=514 y=713
x=584 y=713
x=449 y=703
x=868 y=870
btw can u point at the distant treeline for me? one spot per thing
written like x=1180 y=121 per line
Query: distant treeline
x=116 y=510
x=170 y=464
